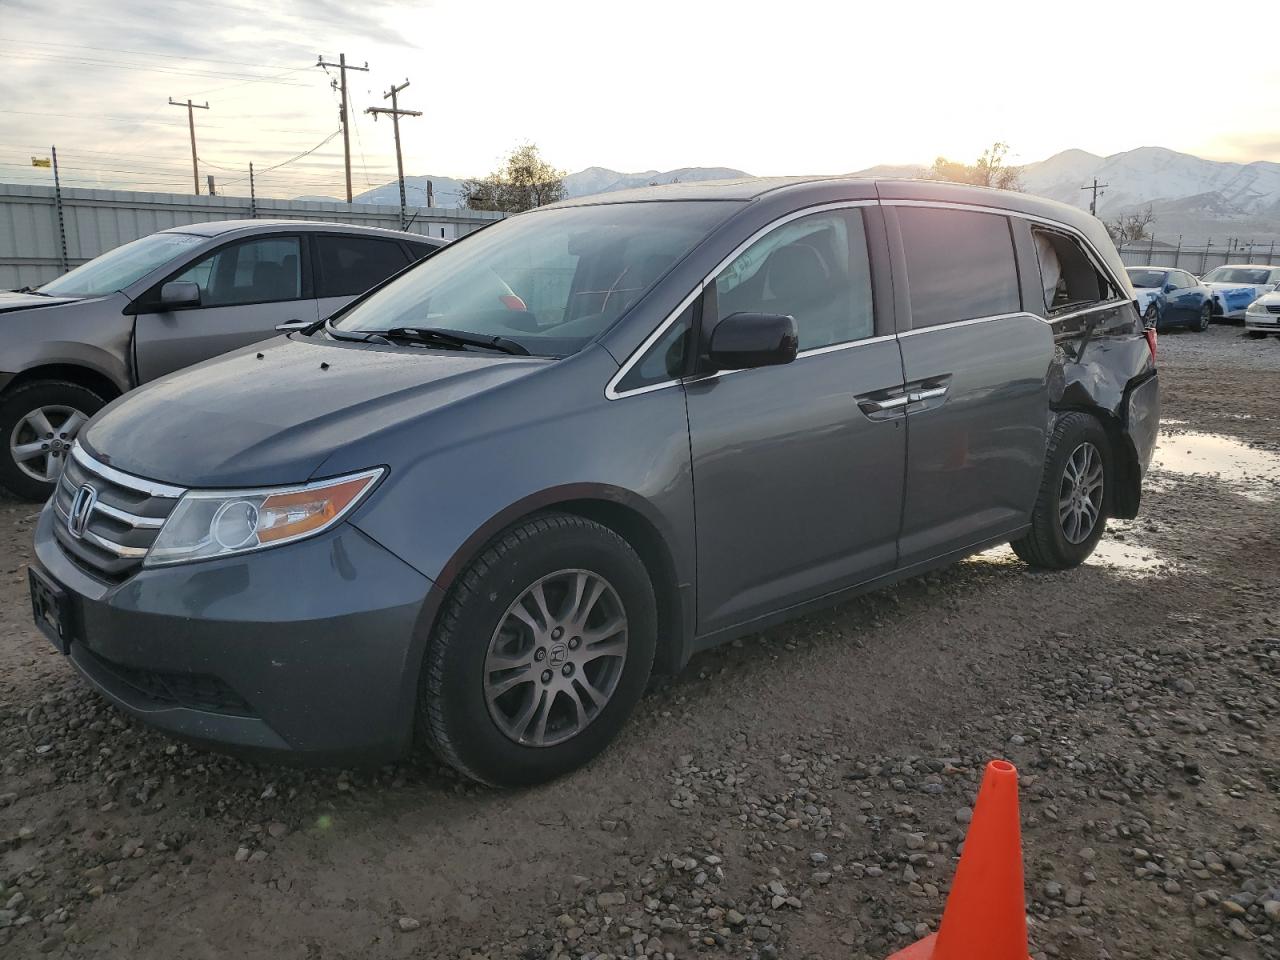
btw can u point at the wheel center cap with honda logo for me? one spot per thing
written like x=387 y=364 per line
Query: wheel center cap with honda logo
x=558 y=654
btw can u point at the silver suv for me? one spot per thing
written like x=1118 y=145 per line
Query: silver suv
x=163 y=302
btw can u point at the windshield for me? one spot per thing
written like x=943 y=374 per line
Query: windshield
x=118 y=268
x=1238 y=275
x=1146 y=278
x=551 y=280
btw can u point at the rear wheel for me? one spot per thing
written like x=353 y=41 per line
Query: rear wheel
x=38 y=423
x=1070 y=514
x=1202 y=321
x=542 y=651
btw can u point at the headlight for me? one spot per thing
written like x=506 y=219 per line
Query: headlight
x=216 y=523
x=1255 y=307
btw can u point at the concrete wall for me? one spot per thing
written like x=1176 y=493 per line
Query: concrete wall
x=97 y=220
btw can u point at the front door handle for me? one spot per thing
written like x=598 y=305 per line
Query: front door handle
x=883 y=406
x=928 y=393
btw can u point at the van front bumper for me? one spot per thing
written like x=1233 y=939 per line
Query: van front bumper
x=309 y=649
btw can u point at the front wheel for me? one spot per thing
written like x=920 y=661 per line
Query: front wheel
x=38 y=422
x=1256 y=334
x=542 y=651
x=1152 y=316
x=1071 y=509
x=1203 y=319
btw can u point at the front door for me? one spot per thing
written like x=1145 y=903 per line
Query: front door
x=798 y=491
x=246 y=288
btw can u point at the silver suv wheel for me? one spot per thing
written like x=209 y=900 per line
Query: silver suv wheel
x=1080 y=497
x=41 y=441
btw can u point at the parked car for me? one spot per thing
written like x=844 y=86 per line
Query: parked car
x=487 y=499
x=1263 y=315
x=163 y=302
x=1236 y=285
x=1171 y=298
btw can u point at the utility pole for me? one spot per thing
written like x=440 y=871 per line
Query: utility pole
x=191 y=125
x=341 y=84
x=57 y=200
x=212 y=190
x=253 y=196
x=396 y=113
x=1096 y=187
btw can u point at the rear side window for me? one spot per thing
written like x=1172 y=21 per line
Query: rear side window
x=960 y=265
x=1068 y=276
x=351 y=265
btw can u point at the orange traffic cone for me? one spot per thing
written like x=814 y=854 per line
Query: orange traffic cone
x=986 y=913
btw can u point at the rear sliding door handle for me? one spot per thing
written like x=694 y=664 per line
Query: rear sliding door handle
x=929 y=393
x=883 y=406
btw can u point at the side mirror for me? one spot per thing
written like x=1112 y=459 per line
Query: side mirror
x=180 y=293
x=744 y=340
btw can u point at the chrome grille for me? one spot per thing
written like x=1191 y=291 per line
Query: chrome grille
x=1273 y=307
x=115 y=521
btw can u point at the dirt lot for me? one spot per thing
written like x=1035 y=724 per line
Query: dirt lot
x=799 y=794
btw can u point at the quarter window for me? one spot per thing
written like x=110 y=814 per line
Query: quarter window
x=1069 y=277
x=254 y=271
x=960 y=265
x=814 y=269
x=351 y=265
x=665 y=360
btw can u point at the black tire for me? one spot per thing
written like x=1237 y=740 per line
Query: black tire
x=1202 y=322
x=15 y=406
x=453 y=712
x=1152 y=316
x=1256 y=334
x=1047 y=545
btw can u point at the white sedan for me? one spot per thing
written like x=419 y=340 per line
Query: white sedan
x=1236 y=285
x=1263 y=315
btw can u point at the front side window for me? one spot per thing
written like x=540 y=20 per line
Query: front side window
x=814 y=269
x=118 y=268
x=552 y=280
x=252 y=271
x=349 y=266
x=960 y=265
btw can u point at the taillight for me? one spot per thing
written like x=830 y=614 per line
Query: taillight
x=1151 y=335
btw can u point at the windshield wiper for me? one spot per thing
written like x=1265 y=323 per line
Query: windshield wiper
x=450 y=339
x=32 y=290
x=338 y=334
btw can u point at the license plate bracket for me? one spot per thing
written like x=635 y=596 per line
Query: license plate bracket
x=51 y=609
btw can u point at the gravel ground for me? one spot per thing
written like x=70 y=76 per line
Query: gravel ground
x=801 y=793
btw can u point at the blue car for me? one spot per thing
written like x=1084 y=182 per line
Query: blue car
x=1171 y=298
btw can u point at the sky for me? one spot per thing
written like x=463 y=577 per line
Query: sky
x=799 y=87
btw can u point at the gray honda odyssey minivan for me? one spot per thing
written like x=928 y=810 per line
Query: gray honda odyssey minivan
x=481 y=505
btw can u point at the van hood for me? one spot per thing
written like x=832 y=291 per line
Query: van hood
x=12 y=300
x=272 y=413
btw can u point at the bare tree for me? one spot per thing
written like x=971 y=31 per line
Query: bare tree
x=523 y=182
x=1131 y=227
x=990 y=170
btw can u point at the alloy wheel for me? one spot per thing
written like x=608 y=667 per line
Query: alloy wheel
x=555 y=658
x=1080 y=494
x=1206 y=315
x=41 y=441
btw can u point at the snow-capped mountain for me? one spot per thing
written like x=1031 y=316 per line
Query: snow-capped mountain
x=447 y=191
x=1189 y=195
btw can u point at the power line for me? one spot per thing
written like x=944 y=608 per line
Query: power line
x=148 y=53
x=41 y=57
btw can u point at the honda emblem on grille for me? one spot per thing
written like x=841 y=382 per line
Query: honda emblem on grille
x=81 y=507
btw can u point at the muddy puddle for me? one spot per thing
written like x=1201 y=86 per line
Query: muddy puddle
x=1252 y=472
